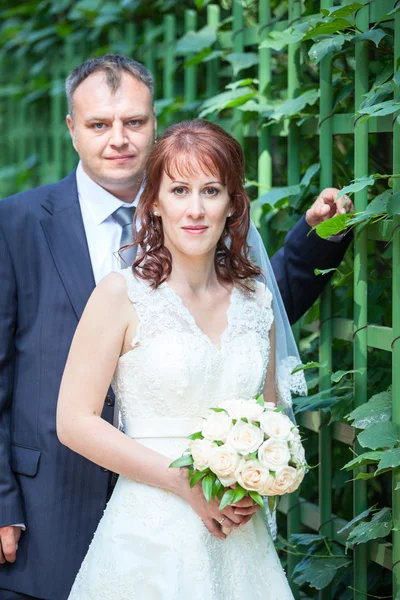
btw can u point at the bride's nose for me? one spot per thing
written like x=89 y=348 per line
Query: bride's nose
x=195 y=208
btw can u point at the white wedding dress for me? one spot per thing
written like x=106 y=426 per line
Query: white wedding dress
x=150 y=544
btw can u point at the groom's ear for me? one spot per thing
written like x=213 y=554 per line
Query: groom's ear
x=71 y=128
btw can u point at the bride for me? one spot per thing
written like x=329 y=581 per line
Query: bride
x=189 y=326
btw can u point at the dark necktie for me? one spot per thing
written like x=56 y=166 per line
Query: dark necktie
x=124 y=217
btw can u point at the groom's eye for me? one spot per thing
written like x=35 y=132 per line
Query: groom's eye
x=98 y=126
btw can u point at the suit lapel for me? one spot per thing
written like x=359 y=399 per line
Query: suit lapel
x=65 y=235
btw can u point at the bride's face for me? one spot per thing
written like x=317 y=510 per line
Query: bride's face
x=193 y=210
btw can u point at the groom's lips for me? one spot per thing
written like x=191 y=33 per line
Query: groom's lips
x=120 y=157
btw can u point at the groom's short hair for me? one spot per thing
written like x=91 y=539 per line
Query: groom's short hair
x=113 y=66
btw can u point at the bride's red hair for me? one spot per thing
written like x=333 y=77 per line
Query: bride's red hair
x=181 y=150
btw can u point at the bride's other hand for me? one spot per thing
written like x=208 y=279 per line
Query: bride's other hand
x=213 y=518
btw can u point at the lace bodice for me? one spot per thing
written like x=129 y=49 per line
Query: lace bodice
x=175 y=370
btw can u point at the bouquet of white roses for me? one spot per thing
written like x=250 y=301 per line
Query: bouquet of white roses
x=245 y=448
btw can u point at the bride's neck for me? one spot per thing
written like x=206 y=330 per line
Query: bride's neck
x=196 y=273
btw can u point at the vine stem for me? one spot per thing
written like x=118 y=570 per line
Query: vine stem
x=368 y=595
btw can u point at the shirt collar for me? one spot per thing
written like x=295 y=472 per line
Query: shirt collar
x=100 y=202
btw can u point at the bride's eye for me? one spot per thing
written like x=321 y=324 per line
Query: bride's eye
x=179 y=191
x=211 y=191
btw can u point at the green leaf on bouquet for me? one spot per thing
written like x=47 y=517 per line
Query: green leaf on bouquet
x=197 y=476
x=240 y=493
x=217 y=485
x=183 y=461
x=227 y=498
x=207 y=485
x=244 y=419
x=219 y=410
x=271 y=504
x=196 y=436
x=260 y=400
x=257 y=498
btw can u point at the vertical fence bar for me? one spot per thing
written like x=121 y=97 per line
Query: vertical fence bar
x=293 y=87
x=190 y=72
x=264 y=135
x=325 y=348
x=293 y=145
x=238 y=46
x=360 y=285
x=56 y=118
x=396 y=326
x=213 y=18
x=149 y=57
x=169 y=60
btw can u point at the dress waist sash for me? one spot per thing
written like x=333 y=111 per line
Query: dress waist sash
x=169 y=427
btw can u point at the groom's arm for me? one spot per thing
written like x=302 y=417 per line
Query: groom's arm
x=10 y=499
x=294 y=265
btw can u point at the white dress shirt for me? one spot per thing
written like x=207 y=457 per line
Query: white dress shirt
x=103 y=233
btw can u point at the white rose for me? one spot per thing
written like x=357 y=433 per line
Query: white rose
x=276 y=425
x=247 y=409
x=201 y=451
x=269 y=406
x=217 y=426
x=245 y=438
x=284 y=481
x=274 y=454
x=223 y=462
x=297 y=453
x=299 y=478
x=251 y=475
x=294 y=435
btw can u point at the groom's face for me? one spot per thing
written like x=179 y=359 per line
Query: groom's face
x=113 y=132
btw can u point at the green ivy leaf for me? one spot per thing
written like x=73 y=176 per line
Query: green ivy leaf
x=195 y=41
x=305 y=539
x=323 y=271
x=342 y=11
x=183 y=461
x=390 y=460
x=377 y=409
x=241 y=60
x=309 y=365
x=333 y=226
x=357 y=185
x=277 y=40
x=293 y=107
x=224 y=100
x=321 y=49
x=327 y=28
x=367 y=458
x=358 y=518
x=338 y=375
x=277 y=194
x=380 y=526
x=380 y=435
x=393 y=206
x=373 y=35
x=318 y=572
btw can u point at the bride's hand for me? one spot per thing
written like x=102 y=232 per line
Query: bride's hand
x=213 y=518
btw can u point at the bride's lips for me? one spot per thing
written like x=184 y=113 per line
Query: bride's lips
x=195 y=229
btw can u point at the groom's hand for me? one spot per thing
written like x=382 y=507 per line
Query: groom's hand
x=326 y=206
x=9 y=538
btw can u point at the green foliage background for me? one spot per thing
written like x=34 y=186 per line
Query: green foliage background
x=41 y=40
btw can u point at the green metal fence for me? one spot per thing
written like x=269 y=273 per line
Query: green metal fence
x=47 y=139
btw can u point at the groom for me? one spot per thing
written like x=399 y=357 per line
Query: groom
x=56 y=243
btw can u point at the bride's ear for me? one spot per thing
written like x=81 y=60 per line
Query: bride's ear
x=155 y=210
